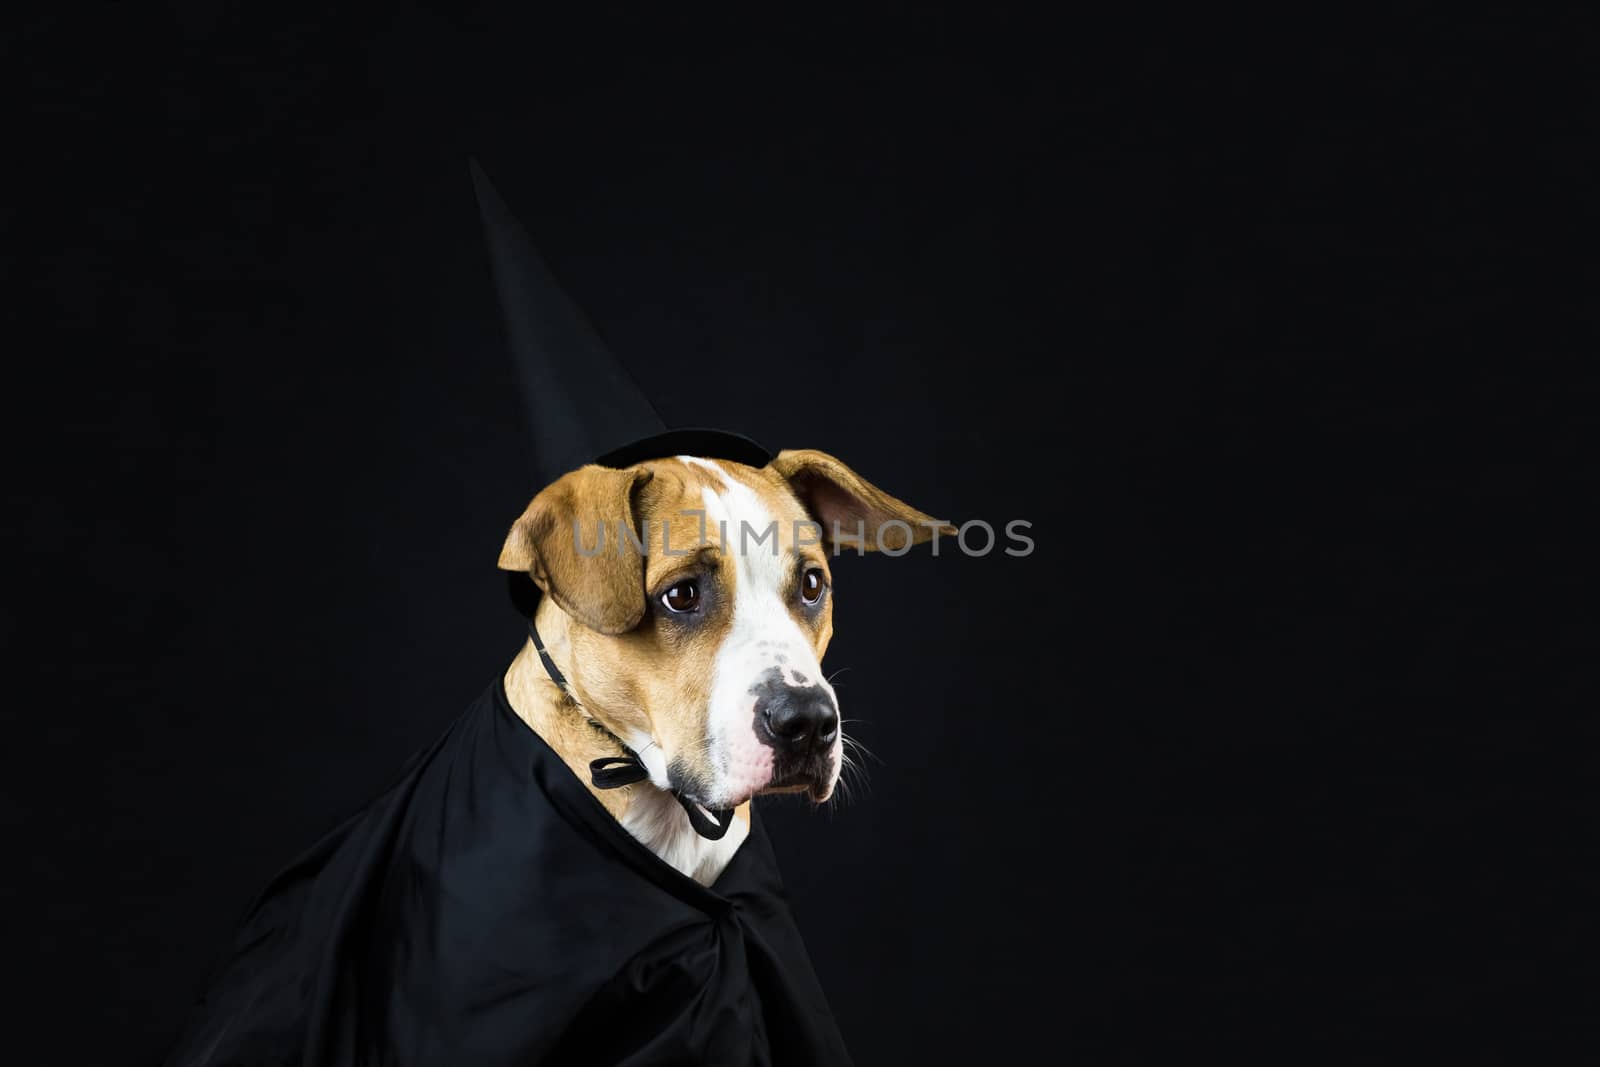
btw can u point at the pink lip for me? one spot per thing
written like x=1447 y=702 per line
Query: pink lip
x=749 y=771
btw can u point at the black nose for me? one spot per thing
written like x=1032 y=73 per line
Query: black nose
x=801 y=719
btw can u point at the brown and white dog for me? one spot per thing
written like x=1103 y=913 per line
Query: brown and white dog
x=695 y=630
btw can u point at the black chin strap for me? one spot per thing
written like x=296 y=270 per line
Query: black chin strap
x=613 y=772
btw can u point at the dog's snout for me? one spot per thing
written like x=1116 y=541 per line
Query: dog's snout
x=801 y=719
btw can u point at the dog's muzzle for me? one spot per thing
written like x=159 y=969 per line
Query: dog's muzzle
x=800 y=723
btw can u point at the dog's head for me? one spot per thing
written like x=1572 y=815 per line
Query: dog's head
x=701 y=603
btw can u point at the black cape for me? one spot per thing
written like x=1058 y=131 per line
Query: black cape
x=488 y=910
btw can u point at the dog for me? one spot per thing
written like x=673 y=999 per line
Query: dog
x=696 y=637
x=573 y=872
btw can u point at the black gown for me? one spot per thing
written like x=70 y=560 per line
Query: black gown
x=488 y=910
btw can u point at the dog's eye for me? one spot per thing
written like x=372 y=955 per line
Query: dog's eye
x=685 y=596
x=811 y=586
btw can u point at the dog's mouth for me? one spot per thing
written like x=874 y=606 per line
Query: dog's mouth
x=818 y=785
x=813 y=776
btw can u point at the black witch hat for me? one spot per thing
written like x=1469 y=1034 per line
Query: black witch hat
x=580 y=402
x=581 y=405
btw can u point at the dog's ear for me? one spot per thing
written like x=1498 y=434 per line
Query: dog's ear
x=555 y=542
x=851 y=510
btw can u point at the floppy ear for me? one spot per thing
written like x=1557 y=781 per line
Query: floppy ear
x=555 y=542
x=850 y=507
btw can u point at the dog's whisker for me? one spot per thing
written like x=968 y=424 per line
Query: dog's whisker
x=852 y=776
x=852 y=743
x=849 y=781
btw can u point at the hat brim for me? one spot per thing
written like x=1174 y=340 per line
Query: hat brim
x=700 y=441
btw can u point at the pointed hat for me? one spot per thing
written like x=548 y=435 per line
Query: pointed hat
x=580 y=404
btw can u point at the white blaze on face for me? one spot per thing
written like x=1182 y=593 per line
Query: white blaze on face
x=763 y=635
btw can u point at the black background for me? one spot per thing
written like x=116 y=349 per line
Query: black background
x=1279 y=748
